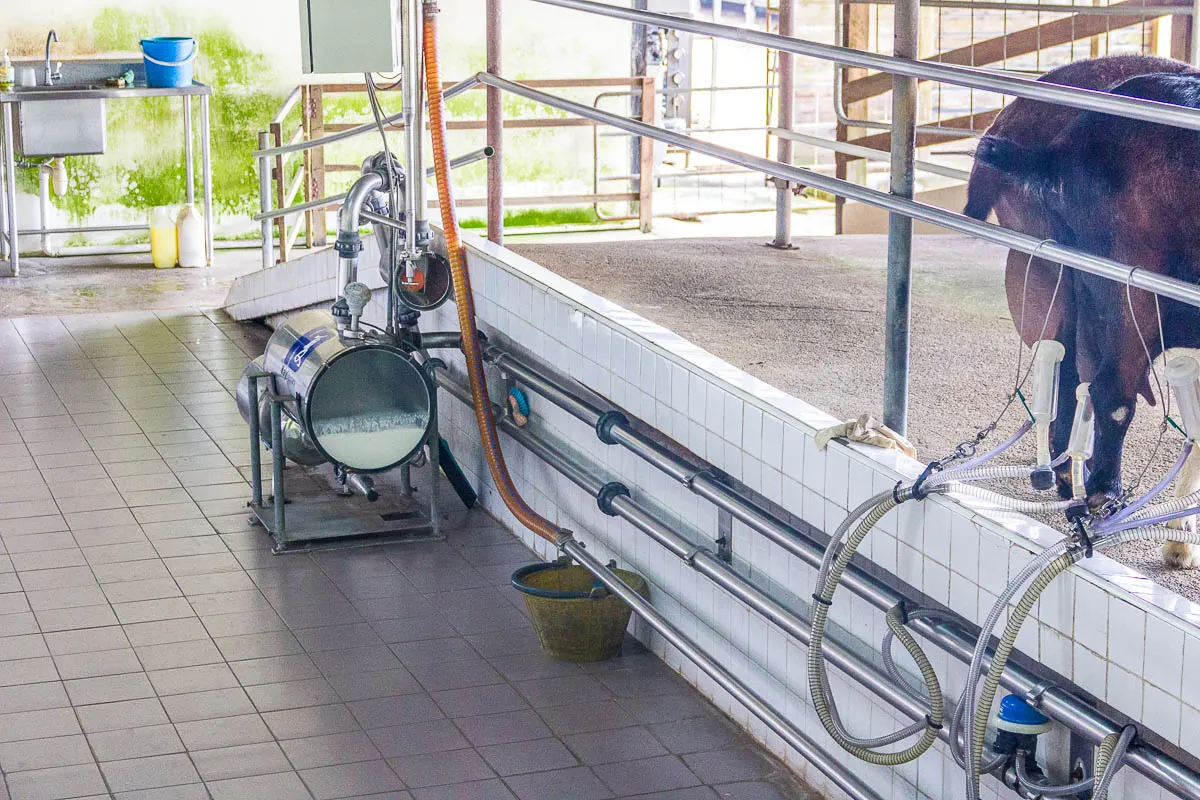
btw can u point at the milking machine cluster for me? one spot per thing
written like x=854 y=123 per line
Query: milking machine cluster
x=1011 y=755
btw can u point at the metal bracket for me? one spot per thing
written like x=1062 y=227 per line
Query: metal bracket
x=724 y=536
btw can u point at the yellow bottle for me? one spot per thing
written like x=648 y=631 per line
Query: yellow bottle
x=164 y=244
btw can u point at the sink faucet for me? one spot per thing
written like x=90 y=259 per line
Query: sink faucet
x=52 y=74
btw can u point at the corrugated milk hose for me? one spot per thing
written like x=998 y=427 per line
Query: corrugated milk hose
x=464 y=299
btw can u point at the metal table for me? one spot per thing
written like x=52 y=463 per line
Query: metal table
x=9 y=100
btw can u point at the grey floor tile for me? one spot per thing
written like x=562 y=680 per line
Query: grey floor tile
x=695 y=735
x=416 y=629
x=164 y=632
x=33 y=697
x=292 y=694
x=32 y=754
x=537 y=755
x=125 y=714
x=560 y=691
x=513 y=726
x=207 y=734
x=622 y=744
x=433 y=769
x=185 y=680
x=531 y=666
x=156 y=740
x=208 y=705
x=109 y=689
x=760 y=790
x=479 y=700
x=173 y=655
x=371 y=685
x=646 y=775
x=258 y=645
x=330 y=749
x=97 y=664
x=149 y=773
x=304 y=722
x=729 y=765
x=585 y=717
x=27 y=670
x=579 y=783
x=241 y=761
x=475 y=790
x=55 y=783
x=434 y=651
x=692 y=793
x=667 y=708
x=275 y=669
x=351 y=780
x=418 y=738
x=358 y=660
x=279 y=786
x=387 y=711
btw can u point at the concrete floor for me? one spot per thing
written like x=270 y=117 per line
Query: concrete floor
x=152 y=646
x=811 y=321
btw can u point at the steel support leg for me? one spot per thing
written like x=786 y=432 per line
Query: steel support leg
x=189 y=164
x=783 y=145
x=899 y=268
x=206 y=169
x=495 y=125
x=264 y=201
x=10 y=171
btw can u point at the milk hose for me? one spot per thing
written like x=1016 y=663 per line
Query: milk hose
x=1104 y=757
x=1059 y=561
x=1156 y=490
x=464 y=299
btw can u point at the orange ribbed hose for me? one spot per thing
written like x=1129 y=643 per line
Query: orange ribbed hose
x=465 y=299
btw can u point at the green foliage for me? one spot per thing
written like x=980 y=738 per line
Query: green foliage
x=540 y=218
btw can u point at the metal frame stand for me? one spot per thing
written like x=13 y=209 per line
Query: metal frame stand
x=320 y=519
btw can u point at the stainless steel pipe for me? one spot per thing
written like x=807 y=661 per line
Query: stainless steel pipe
x=1106 y=268
x=970 y=77
x=957 y=638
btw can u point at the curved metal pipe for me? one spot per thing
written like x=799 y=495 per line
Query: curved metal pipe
x=349 y=242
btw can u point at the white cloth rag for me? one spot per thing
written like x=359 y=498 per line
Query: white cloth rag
x=868 y=430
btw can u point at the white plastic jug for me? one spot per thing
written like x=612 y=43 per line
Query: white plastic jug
x=164 y=249
x=191 y=237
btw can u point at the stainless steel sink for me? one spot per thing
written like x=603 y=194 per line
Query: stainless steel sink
x=71 y=126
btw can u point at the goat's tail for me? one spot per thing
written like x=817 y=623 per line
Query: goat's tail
x=1001 y=160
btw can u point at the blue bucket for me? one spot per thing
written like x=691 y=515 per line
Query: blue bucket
x=169 y=61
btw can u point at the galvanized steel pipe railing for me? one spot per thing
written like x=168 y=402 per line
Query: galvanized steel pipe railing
x=955 y=638
x=1136 y=277
x=703 y=561
x=970 y=77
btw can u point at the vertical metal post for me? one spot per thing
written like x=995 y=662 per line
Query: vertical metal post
x=435 y=478
x=495 y=125
x=414 y=117
x=206 y=169
x=899 y=271
x=188 y=159
x=278 y=500
x=44 y=205
x=264 y=200
x=10 y=170
x=783 y=145
x=255 y=444
x=646 y=159
x=4 y=189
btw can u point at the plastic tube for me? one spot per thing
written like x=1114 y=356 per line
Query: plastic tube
x=1006 y=503
x=465 y=299
x=1047 y=356
x=1060 y=561
x=998 y=449
x=1110 y=524
x=1183 y=376
x=1079 y=446
x=1186 y=502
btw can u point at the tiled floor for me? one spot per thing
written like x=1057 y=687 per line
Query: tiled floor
x=151 y=646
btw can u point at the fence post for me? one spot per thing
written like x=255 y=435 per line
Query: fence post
x=280 y=189
x=900 y=227
x=495 y=125
x=646 y=159
x=315 y=109
x=264 y=200
x=783 y=145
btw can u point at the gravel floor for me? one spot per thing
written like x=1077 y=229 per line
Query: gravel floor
x=810 y=321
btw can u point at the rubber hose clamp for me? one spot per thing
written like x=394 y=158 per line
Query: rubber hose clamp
x=605 y=424
x=918 y=488
x=348 y=245
x=822 y=600
x=609 y=492
x=896 y=492
x=901 y=609
x=690 y=558
x=1084 y=539
x=929 y=723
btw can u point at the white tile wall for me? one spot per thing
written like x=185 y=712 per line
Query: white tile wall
x=1105 y=627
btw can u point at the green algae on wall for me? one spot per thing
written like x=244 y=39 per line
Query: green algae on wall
x=143 y=166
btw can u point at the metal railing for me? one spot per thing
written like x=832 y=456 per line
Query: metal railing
x=279 y=188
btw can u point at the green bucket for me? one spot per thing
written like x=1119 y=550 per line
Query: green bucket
x=576 y=618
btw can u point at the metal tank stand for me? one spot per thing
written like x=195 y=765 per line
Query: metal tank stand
x=311 y=514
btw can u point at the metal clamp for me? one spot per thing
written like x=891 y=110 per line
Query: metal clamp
x=609 y=492
x=608 y=420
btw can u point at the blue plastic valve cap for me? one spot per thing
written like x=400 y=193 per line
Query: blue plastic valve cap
x=1016 y=715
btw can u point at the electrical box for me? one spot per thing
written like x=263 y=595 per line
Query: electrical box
x=339 y=36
